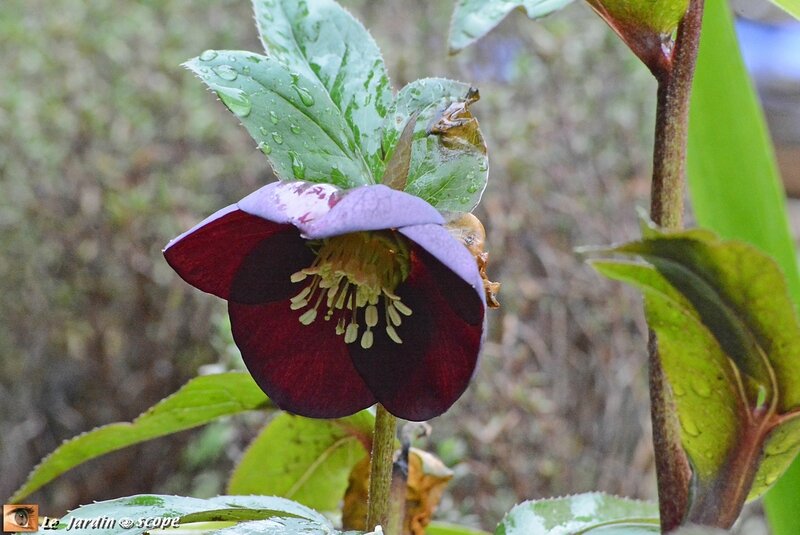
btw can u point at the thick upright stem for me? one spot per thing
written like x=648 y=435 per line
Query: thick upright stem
x=672 y=123
x=380 y=473
x=666 y=209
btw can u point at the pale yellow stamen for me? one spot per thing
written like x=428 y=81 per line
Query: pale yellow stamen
x=355 y=276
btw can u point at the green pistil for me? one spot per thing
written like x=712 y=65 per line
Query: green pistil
x=354 y=278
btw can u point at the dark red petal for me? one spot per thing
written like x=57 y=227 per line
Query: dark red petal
x=422 y=377
x=209 y=255
x=265 y=273
x=453 y=254
x=304 y=369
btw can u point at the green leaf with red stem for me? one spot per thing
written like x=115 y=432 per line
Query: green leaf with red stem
x=735 y=186
x=728 y=339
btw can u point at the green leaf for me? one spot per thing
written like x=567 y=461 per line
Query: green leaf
x=472 y=19
x=291 y=117
x=201 y=400
x=583 y=513
x=282 y=526
x=733 y=178
x=728 y=339
x=790 y=6
x=233 y=515
x=445 y=528
x=448 y=171
x=148 y=513
x=321 y=41
x=734 y=182
x=304 y=459
x=658 y=16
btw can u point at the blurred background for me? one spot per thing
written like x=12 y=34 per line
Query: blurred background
x=108 y=148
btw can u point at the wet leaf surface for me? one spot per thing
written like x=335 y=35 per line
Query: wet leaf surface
x=582 y=513
x=472 y=19
x=303 y=459
x=728 y=338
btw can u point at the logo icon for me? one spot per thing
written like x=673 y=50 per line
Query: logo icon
x=20 y=518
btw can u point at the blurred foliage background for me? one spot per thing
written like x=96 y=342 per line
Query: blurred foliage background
x=108 y=148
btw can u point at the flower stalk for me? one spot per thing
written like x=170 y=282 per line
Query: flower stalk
x=380 y=474
x=666 y=210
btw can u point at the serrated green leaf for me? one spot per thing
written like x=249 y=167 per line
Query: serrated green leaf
x=283 y=526
x=304 y=459
x=450 y=178
x=321 y=41
x=581 y=514
x=291 y=117
x=728 y=340
x=146 y=512
x=472 y=19
x=201 y=400
x=233 y=515
x=790 y=6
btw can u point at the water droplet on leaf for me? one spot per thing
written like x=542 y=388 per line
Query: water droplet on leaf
x=265 y=148
x=762 y=396
x=689 y=427
x=208 y=55
x=225 y=72
x=294 y=128
x=473 y=187
x=236 y=100
x=298 y=167
x=700 y=386
x=277 y=137
x=305 y=96
x=273 y=117
x=262 y=130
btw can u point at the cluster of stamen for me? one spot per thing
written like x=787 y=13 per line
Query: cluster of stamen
x=353 y=280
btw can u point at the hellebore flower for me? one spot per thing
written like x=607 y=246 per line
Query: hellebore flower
x=339 y=299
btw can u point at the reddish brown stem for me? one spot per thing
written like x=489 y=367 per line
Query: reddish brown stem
x=666 y=209
x=721 y=502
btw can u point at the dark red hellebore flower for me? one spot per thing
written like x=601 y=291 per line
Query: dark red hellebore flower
x=339 y=299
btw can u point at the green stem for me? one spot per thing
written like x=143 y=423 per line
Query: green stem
x=666 y=209
x=380 y=473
